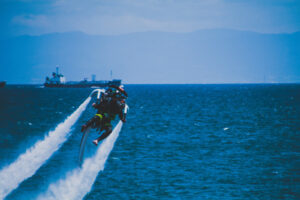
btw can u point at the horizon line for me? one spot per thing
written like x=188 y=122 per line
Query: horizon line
x=158 y=31
x=237 y=83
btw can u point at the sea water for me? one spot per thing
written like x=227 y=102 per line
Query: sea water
x=237 y=141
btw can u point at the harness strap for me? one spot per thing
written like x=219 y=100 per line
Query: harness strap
x=107 y=124
x=100 y=116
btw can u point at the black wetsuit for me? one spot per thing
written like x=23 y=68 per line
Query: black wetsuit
x=107 y=109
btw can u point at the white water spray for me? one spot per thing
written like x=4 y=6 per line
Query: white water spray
x=80 y=181
x=29 y=162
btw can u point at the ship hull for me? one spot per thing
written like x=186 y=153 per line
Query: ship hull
x=85 y=85
x=2 y=84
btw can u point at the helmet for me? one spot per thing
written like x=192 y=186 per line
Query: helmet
x=109 y=90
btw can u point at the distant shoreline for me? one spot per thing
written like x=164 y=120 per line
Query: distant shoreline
x=296 y=83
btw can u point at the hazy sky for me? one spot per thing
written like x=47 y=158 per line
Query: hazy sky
x=37 y=17
x=222 y=58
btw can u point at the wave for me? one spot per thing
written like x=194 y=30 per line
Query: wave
x=29 y=162
x=79 y=181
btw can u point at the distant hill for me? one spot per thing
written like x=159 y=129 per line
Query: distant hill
x=207 y=56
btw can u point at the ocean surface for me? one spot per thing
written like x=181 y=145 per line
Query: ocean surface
x=179 y=142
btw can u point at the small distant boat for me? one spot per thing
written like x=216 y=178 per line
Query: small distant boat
x=2 y=84
x=58 y=80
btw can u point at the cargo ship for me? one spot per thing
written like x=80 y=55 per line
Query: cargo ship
x=2 y=84
x=59 y=81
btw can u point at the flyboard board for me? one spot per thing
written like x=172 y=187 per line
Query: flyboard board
x=84 y=137
x=82 y=144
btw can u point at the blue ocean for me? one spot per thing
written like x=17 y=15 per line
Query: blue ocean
x=230 y=141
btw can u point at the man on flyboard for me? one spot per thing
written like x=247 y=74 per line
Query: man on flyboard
x=111 y=103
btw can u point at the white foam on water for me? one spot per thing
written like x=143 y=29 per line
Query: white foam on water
x=29 y=162
x=79 y=181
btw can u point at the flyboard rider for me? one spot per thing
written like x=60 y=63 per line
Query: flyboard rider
x=111 y=103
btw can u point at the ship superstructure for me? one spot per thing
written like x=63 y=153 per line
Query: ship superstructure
x=57 y=78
